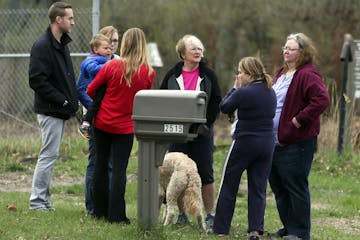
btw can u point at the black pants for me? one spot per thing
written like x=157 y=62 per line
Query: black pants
x=109 y=201
x=253 y=154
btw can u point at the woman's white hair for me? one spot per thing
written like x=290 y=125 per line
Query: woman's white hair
x=195 y=41
x=187 y=40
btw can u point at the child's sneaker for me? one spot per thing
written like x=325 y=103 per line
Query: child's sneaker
x=84 y=131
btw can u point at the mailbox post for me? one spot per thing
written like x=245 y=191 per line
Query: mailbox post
x=161 y=117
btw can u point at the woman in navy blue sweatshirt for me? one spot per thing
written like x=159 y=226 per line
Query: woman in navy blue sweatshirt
x=255 y=101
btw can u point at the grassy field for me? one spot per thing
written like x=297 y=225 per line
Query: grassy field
x=334 y=181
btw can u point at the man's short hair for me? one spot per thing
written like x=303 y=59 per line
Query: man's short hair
x=57 y=9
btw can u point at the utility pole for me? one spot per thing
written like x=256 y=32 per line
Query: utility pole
x=345 y=58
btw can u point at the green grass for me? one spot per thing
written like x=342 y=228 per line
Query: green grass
x=334 y=184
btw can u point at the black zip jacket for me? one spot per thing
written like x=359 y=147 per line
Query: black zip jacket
x=52 y=77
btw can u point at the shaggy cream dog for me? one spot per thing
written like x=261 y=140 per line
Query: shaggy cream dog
x=179 y=176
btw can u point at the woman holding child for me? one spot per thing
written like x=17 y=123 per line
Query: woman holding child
x=113 y=126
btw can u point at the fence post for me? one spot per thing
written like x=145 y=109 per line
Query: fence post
x=345 y=57
x=96 y=17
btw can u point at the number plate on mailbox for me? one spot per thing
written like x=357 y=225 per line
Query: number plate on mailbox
x=173 y=128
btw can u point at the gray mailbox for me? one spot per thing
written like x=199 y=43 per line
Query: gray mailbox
x=162 y=117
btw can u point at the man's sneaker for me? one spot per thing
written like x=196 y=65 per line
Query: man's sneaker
x=209 y=223
x=182 y=219
x=84 y=131
x=43 y=209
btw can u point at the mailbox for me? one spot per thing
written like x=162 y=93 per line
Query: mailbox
x=162 y=117
x=168 y=114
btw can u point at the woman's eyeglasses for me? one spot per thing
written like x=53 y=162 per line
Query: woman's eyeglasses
x=289 y=49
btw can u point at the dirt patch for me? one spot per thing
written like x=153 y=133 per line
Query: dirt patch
x=351 y=226
x=20 y=182
x=319 y=206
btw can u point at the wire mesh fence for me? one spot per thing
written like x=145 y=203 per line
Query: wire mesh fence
x=19 y=29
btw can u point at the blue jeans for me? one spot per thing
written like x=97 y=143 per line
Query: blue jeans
x=89 y=175
x=289 y=181
x=52 y=130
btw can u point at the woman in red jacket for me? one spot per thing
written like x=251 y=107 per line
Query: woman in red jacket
x=113 y=125
x=301 y=98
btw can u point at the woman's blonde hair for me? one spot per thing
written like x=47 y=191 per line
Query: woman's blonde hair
x=185 y=40
x=307 y=49
x=254 y=67
x=133 y=51
x=108 y=31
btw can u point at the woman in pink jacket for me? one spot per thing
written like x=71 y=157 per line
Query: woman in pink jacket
x=113 y=125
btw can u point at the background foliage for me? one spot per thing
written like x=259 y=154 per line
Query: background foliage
x=231 y=29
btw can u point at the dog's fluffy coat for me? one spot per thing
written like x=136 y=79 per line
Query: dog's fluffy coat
x=179 y=175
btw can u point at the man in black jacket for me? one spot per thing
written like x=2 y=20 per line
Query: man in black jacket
x=51 y=76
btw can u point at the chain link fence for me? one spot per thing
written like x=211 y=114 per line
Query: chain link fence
x=19 y=29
